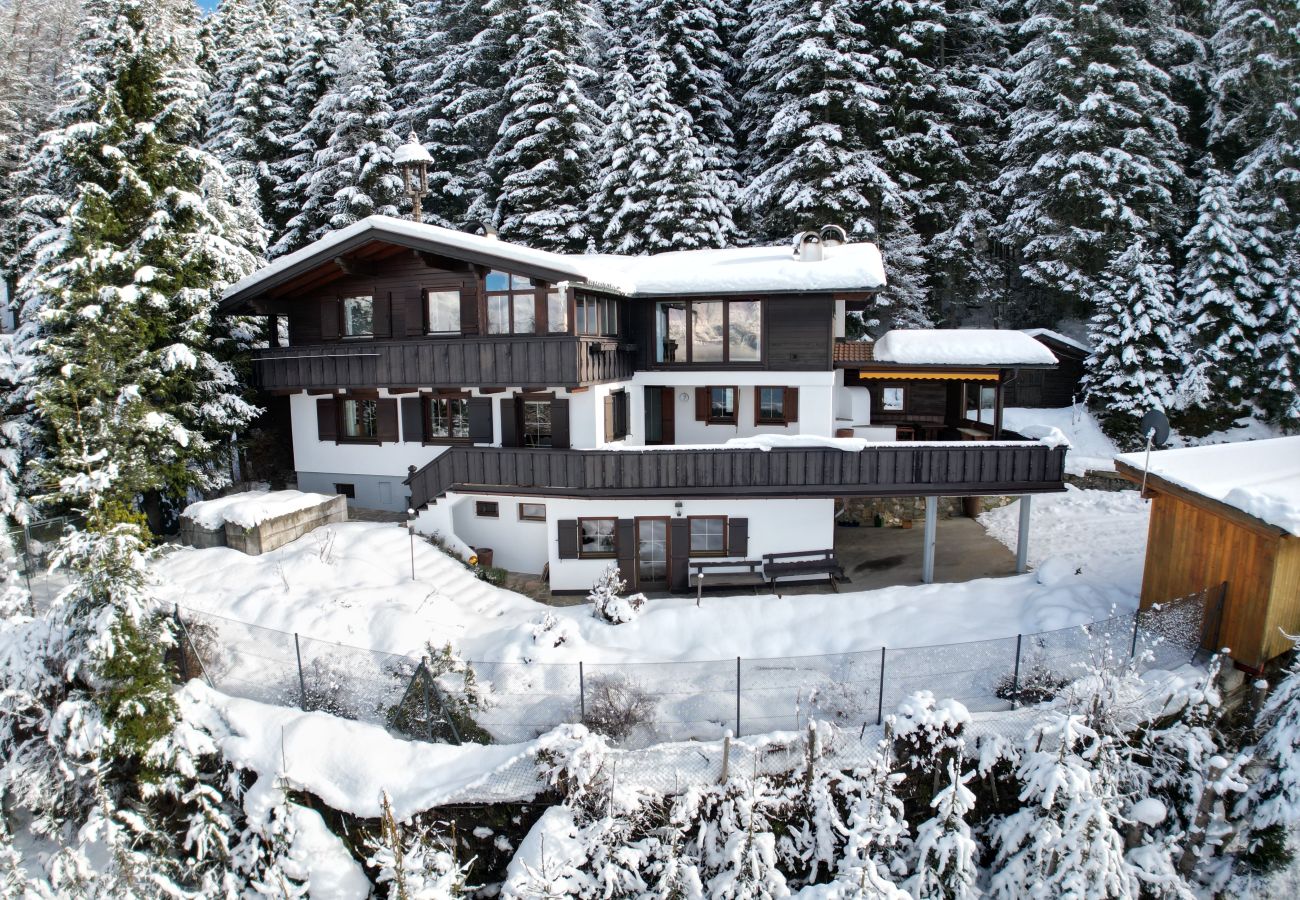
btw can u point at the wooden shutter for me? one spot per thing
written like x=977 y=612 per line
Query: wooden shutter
x=609 y=418
x=679 y=555
x=509 y=424
x=480 y=420
x=625 y=548
x=758 y=403
x=738 y=537
x=329 y=320
x=415 y=315
x=468 y=310
x=620 y=414
x=412 y=420
x=560 y=424
x=791 y=404
x=383 y=319
x=327 y=419
x=701 y=404
x=567 y=529
x=386 y=424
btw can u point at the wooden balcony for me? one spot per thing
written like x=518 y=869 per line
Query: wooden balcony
x=908 y=470
x=477 y=361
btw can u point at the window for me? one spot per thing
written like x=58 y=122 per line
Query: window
x=620 y=414
x=443 y=311
x=557 y=312
x=486 y=509
x=722 y=405
x=347 y=490
x=596 y=537
x=358 y=316
x=532 y=512
x=709 y=331
x=448 y=419
x=511 y=304
x=771 y=406
x=360 y=419
x=893 y=399
x=708 y=535
x=596 y=315
x=537 y=423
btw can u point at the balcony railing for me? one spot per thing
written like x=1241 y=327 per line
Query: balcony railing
x=496 y=361
x=905 y=470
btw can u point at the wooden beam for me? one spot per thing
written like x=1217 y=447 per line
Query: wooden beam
x=1158 y=485
x=350 y=266
x=438 y=261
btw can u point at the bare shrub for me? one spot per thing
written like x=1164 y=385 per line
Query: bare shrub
x=616 y=706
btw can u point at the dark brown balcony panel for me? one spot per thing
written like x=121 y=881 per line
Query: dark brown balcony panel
x=560 y=361
x=904 y=471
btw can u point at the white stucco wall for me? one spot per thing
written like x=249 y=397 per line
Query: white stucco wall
x=775 y=526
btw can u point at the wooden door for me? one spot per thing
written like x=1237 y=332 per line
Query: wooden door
x=667 y=415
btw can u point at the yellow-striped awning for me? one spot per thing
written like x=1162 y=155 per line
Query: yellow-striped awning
x=927 y=374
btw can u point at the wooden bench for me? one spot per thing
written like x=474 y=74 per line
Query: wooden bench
x=807 y=562
x=750 y=577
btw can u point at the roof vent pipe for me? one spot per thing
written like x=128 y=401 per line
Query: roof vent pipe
x=833 y=236
x=808 y=247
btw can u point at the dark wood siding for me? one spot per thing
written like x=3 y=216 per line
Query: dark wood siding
x=798 y=333
x=901 y=471
x=925 y=401
x=1047 y=388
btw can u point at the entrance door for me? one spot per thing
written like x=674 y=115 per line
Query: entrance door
x=652 y=554
x=660 y=423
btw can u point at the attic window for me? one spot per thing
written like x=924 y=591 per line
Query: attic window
x=358 y=316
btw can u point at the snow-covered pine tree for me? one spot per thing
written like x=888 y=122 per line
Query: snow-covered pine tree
x=659 y=190
x=1223 y=290
x=1280 y=348
x=1092 y=161
x=732 y=841
x=1063 y=842
x=352 y=175
x=410 y=864
x=947 y=865
x=875 y=829
x=248 y=66
x=121 y=299
x=1136 y=362
x=1271 y=808
x=541 y=167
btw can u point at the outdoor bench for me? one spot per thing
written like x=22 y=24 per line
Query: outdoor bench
x=807 y=562
x=750 y=577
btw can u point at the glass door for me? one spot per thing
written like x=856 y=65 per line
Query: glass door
x=651 y=553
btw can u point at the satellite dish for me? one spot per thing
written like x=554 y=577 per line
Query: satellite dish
x=1154 y=427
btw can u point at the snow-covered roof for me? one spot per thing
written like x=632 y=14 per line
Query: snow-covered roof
x=410 y=152
x=846 y=267
x=961 y=347
x=250 y=508
x=1260 y=478
x=1057 y=336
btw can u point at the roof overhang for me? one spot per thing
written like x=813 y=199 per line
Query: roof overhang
x=1157 y=485
x=914 y=373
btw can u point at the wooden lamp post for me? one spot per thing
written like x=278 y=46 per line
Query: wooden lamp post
x=414 y=161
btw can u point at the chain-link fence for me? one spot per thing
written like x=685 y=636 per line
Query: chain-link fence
x=442 y=698
x=29 y=548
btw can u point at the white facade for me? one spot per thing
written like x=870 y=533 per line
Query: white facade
x=523 y=546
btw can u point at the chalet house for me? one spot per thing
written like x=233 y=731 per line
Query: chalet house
x=570 y=411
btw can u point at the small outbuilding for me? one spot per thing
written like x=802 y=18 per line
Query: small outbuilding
x=1227 y=513
x=1050 y=388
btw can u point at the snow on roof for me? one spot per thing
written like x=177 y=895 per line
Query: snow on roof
x=1260 y=478
x=250 y=508
x=1057 y=336
x=961 y=347
x=846 y=267
x=410 y=152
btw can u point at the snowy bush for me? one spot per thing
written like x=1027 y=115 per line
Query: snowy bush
x=606 y=601
x=441 y=700
x=616 y=706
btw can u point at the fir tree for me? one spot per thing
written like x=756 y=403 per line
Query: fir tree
x=1135 y=361
x=121 y=298
x=1280 y=348
x=1092 y=159
x=541 y=165
x=352 y=175
x=1272 y=805
x=946 y=853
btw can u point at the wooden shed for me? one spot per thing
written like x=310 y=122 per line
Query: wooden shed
x=1227 y=513
x=1051 y=388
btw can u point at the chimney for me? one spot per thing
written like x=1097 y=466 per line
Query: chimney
x=808 y=247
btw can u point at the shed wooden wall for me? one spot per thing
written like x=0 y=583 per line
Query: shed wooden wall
x=1190 y=548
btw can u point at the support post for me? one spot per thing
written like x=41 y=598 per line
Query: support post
x=1015 y=676
x=737 y=696
x=180 y=642
x=1137 y=620
x=302 y=682
x=880 y=702
x=1022 y=537
x=931 y=525
x=582 y=693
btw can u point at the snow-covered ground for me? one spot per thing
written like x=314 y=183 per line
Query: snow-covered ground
x=1104 y=533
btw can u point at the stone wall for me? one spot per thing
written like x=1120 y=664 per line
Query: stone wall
x=896 y=509
x=1095 y=480
x=280 y=530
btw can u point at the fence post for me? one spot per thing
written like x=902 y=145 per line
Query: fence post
x=582 y=693
x=428 y=704
x=302 y=682
x=180 y=642
x=1137 y=620
x=880 y=703
x=737 y=696
x=1015 y=676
